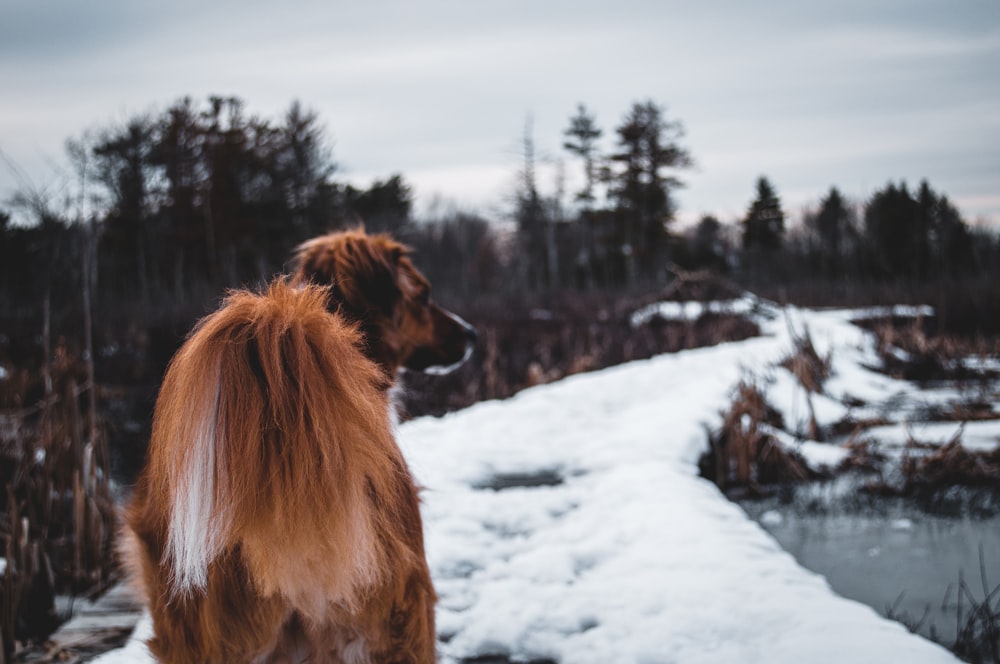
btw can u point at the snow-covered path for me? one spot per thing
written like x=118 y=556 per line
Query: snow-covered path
x=632 y=558
x=622 y=553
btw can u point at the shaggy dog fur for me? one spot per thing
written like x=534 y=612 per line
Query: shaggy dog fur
x=276 y=519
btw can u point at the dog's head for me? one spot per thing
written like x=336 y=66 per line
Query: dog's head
x=373 y=283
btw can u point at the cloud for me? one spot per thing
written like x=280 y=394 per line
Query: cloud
x=439 y=91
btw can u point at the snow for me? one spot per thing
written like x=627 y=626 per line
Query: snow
x=619 y=552
x=895 y=311
x=135 y=651
x=692 y=310
x=975 y=436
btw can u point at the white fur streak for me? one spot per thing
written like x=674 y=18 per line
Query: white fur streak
x=197 y=528
x=469 y=347
x=355 y=652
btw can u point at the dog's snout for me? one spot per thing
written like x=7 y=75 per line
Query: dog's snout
x=454 y=343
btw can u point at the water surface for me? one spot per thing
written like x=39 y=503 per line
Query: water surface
x=889 y=553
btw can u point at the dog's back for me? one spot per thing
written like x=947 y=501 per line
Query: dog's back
x=276 y=518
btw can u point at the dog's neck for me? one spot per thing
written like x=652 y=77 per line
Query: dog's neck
x=373 y=344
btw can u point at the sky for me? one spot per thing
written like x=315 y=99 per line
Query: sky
x=852 y=94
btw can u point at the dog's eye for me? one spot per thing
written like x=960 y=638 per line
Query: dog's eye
x=424 y=297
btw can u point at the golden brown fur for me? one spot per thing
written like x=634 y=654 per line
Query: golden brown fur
x=276 y=519
x=374 y=283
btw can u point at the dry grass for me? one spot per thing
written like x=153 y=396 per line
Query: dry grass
x=700 y=286
x=950 y=465
x=57 y=510
x=864 y=455
x=805 y=363
x=908 y=350
x=977 y=638
x=523 y=347
x=926 y=471
x=743 y=453
x=977 y=619
x=811 y=371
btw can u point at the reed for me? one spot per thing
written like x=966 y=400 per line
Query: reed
x=977 y=637
x=58 y=512
x=743 y=453
x=810 y=370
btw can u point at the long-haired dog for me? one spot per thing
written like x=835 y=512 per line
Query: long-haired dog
x=276 y=519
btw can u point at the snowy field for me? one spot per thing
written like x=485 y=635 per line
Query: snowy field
x=569 y=523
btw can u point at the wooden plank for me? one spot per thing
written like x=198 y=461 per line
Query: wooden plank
x=96 y=626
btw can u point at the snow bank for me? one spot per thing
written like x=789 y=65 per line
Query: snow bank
x=895 y=311
x=632 y=558
x=568 y=523
x=693 y=309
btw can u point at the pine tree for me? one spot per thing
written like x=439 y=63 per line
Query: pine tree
x=582 y=136
x=648 y=145
x=303 y=171
x=384 y=207
x=764 y=225
x=891 y=218
x=832 y=228
x=708 y=249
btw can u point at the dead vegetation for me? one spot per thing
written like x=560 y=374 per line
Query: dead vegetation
x=700 y=286
x=521 y=346
x=949 y=465
x=909 y=350
x=56 y=508
x=805 y=363
x=744 y=454
x=928 y=473
x=923 y=470
x=811 y=371
x=977 y=638
x=864 y=455
x=977 y=618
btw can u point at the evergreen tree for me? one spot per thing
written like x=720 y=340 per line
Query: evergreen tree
x=178 y=153
x=581 y=139
x=948 y=245
x=764 y=225
x=893 y=230
x=383 y=207
x=831 y=231
x=304 y=169
x=916 y=237
x=648 y=145
x=708 y=248
x=124 y=167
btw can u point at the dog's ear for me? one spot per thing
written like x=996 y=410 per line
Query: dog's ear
x=369 y=281
x=361 y=272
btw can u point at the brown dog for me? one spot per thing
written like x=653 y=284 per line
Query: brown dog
x=276 y=519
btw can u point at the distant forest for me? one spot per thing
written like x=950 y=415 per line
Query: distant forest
x=165 y=211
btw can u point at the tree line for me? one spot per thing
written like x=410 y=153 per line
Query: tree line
x=622 y=231
x=167 y=210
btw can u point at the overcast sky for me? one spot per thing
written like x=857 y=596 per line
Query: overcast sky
x=853 y=93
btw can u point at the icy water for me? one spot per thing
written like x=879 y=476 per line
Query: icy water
x=890 y=553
